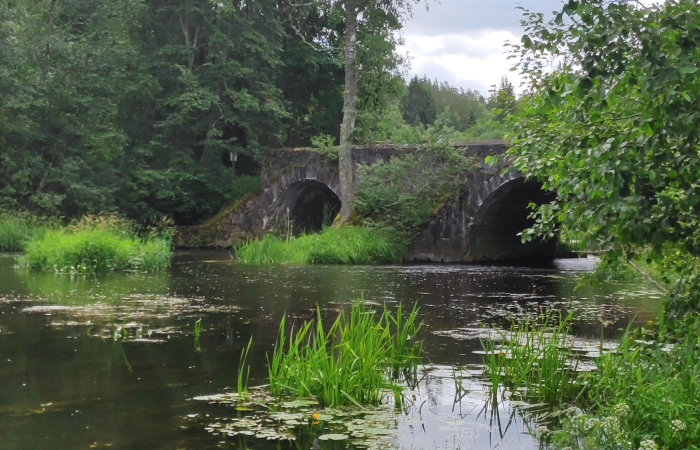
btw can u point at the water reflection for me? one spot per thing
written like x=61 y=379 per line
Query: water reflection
x=68 y=383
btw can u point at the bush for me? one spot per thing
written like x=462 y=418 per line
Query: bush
x=645 y=395
x=98 y=244
x=399 y=196
x=18 y=228
x=346 y=245
x=243 y=185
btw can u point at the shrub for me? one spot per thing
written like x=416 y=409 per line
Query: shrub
x=97 y=244
x=243 y=185
x=399 y=196
x=345 y=245
x=645 y=395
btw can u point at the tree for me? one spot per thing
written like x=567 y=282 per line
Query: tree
x=610 y=124
x=418 y=105
x=352 y=16
x=503 y=99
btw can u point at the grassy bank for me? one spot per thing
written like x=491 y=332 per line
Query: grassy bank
x=98 y=244
x=345 y=245
x=645 y=395
x=18 y=228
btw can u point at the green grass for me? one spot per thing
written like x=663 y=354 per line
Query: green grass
x=534 y=358
x=356 y=361
x=645 y=395
x=345 y=245
x=98 y=244
x=18 y=228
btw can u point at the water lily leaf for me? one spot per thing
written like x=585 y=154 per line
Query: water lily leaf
x=299 y=403
x=333 y=437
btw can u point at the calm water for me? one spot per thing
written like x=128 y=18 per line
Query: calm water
x=67 y=383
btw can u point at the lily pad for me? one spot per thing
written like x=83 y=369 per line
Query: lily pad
x=333 y=437
x=299 y=403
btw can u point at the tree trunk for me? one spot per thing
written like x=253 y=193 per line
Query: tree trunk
x=347 y=188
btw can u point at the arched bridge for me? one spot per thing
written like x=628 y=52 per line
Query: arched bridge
x=300 y=191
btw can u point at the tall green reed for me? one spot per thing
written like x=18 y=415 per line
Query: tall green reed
x=97 y=244
x=535 y=357
x=197 y=332
x=357 y=360
x=243 y=374
x=345 y=245
x=17 y=228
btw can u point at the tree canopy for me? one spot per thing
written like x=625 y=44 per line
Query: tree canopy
x=610 y=122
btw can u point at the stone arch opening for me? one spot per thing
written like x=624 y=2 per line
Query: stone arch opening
x=493 y=234
x=307 y=206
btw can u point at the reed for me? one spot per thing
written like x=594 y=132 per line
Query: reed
x=17 y=228
x=98 y=244
x=197 y=332
x=536 y=356
x=358 y=360
x=345 y=245
x=243 y=374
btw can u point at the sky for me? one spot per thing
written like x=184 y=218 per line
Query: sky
x=461 y=41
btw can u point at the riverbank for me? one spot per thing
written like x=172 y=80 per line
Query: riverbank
x=91 y=244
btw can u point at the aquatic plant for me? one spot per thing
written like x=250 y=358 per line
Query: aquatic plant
x=243 y=375
x=356 y=361
x=197 y=332
x=644 y=395
x=17 y=228
x=535 y=356
x=97 y=244
x=345 y=245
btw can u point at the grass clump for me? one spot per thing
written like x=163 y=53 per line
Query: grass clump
x=17 y=228
x=357 y=361
x=98 y=244
x=645 y=395
x=535 y=357
x=345 y=245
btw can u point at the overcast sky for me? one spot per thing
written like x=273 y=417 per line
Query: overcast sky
x=461 y=41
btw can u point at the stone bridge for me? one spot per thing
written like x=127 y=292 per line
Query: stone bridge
x=300 y=191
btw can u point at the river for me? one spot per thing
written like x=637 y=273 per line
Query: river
x=111 y=361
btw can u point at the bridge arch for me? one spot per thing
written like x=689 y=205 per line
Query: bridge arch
x=501 y=213
x=303 y=206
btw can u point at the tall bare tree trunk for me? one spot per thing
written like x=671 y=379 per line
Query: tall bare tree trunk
x=347 y=188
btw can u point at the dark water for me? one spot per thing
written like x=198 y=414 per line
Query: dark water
x=110 y=361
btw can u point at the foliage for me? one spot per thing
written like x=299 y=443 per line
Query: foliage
x=132 y=105
x=464 y=107
x=536 y=359
x=647 y=391
x=323 y=145
x=399 y=196
x=612 y=130
x=18 y=228
x=418 y=105
x=243 y=185
x=503 y=100
x=356 y=361
x=98 y=244
x=344 y=245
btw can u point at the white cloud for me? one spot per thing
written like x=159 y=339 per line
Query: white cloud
x=473 y=60
x=461 y=41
